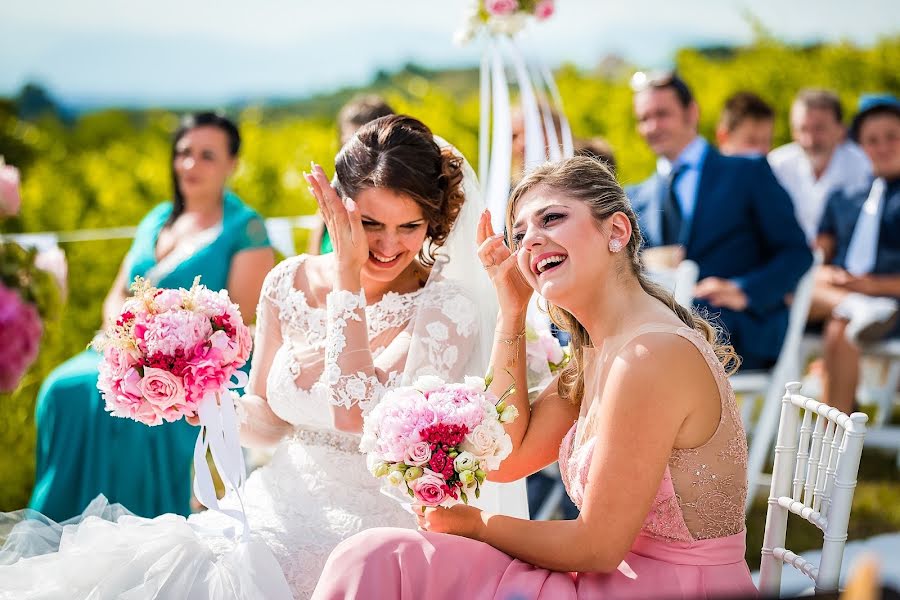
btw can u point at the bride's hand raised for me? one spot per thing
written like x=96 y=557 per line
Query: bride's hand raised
x=344 y=224
x=513 y=292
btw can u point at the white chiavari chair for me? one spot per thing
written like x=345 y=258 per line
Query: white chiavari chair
x=817 y=457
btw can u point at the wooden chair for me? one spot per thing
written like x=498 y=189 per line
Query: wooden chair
x=814 y=477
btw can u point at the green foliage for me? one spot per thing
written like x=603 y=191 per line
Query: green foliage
x=108 y=169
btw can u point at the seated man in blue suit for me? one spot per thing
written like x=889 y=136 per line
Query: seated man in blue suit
x=728 y=213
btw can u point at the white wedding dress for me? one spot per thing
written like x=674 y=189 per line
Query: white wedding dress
x=311 y=352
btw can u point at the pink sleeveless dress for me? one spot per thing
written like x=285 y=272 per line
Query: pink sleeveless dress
x=691 y=544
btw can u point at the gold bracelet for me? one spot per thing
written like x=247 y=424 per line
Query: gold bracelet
x=512 y=344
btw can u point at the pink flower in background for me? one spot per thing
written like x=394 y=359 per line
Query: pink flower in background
x=53 y=260
x=10 y=201
x=501 y=7
x=20 y=330
x=550 y=345
x=544 y=9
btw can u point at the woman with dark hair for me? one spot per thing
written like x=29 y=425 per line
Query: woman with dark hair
x=400 y=297
x=205 y=230
x=642 y=420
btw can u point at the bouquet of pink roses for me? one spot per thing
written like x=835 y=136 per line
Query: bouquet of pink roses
x=436 y=441
x=169 y=350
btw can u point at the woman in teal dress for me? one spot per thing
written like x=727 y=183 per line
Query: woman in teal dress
x=82 y=450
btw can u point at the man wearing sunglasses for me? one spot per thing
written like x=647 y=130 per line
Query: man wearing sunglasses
x=727 y=213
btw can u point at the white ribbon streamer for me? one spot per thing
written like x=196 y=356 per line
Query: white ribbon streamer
x=219 y=435
x=501 y=142
x=535 y=148
x=567 y=143
x=484 y=135
x=554 y=148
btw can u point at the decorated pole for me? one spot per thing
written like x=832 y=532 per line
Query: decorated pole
x=499 y=23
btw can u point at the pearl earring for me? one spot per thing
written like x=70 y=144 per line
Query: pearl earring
x=615 y=245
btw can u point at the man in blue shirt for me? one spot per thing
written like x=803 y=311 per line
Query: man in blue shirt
x=857 y=290
x=730 y=216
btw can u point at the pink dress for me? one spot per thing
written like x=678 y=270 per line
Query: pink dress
x=691 y=544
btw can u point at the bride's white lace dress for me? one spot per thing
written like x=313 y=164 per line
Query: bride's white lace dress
x=312 y=350
x=317 y=490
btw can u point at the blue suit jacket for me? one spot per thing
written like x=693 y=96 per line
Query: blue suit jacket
x=743 y=229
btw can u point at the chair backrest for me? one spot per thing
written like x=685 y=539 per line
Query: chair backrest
x=681 y=281
x=797 y=318
x=814 y=477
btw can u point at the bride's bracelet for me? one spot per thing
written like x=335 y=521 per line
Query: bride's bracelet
x=512 y=344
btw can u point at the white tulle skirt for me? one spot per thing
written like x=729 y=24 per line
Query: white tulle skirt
x=109 y=553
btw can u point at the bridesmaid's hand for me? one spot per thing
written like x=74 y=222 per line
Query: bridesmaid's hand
x=513 y=292
x=459 y=520
x=344 y=223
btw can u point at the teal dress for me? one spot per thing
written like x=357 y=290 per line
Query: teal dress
x=82 y=450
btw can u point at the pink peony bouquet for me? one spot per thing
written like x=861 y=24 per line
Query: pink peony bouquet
x=502 y=16
x=20 y=330
x=168 y=350
x=436 y=441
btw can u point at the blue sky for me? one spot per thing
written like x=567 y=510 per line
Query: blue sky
x=179 y=51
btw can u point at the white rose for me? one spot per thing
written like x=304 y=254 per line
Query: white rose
x=428 y=383
x=480 y=441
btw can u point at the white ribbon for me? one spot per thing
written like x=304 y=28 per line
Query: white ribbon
x=501 y=142
x=535 y=148
x=568 y=146
x=219 y=435
x=484 y=135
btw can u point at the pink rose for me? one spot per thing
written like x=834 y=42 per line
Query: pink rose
x=501 y=7
x=9 y=190
x=418 y=454
x=544 y=9
x=429 y=489
x=162 y=389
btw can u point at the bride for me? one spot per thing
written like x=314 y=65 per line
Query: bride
x=400 y=297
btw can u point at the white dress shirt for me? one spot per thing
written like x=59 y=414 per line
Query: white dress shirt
x=848 y=167
x=863 y=249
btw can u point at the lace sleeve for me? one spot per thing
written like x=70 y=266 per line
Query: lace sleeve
x=349 y=374
x=259 y=425
x=445 y=336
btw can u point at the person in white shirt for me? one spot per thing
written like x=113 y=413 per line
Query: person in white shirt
x=820 y=159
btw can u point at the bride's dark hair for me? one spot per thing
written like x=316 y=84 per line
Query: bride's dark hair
x=398 y=152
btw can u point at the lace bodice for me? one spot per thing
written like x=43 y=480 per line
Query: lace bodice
x=338 y=349
x=702 y=493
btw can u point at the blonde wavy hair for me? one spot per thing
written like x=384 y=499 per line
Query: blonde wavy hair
x=591 y=181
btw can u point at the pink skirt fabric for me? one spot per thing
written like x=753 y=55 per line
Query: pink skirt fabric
x=414 y=565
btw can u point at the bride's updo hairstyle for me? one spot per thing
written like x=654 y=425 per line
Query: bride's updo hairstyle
x=398 y=152
x=590 y=181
